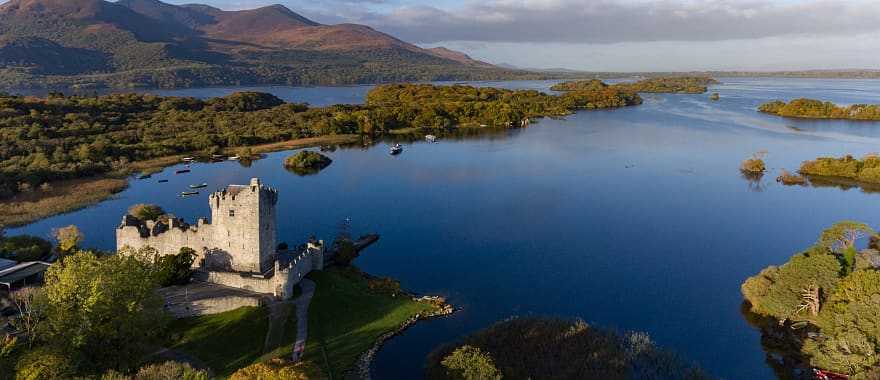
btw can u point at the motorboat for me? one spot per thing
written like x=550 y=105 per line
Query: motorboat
x=181 y=171
x=199 y=186
x=396 y=149
x=188 y=193
x=431 y=138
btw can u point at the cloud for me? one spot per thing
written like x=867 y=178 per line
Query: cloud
x=606 y=21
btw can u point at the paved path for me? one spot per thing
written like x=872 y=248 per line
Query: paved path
x=302 y=317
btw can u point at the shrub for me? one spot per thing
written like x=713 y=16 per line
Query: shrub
x=170 y=370
x=753 y=165
x=146 y=211
x=175 y=269
x=469 y=363
x=265 y=371
x=44 y=363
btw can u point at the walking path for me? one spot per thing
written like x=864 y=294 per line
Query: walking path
x=302 y=317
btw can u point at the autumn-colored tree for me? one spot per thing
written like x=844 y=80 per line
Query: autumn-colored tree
x=68 y=239
x=103 y=310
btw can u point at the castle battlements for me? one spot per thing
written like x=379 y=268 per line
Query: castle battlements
x=237 y=247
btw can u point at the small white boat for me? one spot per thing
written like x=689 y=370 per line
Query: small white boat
x=234 y=158
x=431 y=138
x=188 y=159
x=396 y=149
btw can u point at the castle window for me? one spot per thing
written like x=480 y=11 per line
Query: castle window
x=231 y=212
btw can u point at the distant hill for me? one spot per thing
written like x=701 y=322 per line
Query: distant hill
x=95 y=43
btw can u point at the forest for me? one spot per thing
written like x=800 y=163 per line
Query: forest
x=676 y=85
x=820 y=309
x=817 y=109
x=65 y=137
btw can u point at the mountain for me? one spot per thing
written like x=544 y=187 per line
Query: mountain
x=94 y=43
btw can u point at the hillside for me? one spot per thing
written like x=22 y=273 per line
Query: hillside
x=97 y=43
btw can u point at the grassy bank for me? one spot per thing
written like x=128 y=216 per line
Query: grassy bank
x=226 y=341
x=62 y=197
x=346 y=318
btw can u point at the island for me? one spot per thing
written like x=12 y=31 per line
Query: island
x=817 y=109
x=66 y=152
x=819 y=311
x=555 y=348
x=669 y=85
x=846 y=168
x=307 y=162
x=754 y=165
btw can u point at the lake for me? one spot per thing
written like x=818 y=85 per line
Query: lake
x=634 y=218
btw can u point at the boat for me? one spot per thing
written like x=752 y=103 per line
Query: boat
x=163 y=180
x=234 y=158
x=145 y=176
x=396 y=149
x=181 y=171
x=431 y=138
x=188 y=193
x=199 y=186
x=188 y=159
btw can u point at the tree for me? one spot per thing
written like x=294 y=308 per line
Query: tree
x=144 y=211
x=44 y=363
x=844 y=235
x=469 y=363
x=345 y=252
x=175 y=269
x=267 y=371
x=31 y=305
x=104 y=310
x=68 y=239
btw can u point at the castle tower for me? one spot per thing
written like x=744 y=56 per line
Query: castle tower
x=243 y=224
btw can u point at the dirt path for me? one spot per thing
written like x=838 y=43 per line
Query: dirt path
x=302 y=317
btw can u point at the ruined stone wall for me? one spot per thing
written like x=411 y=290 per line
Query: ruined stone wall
x=168 y=242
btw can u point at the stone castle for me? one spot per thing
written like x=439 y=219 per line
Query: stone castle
x=236 y=248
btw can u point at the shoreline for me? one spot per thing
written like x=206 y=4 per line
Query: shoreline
x=364 y=362
x=75 y=194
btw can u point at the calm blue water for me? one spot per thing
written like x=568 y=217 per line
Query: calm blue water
x=633 y=218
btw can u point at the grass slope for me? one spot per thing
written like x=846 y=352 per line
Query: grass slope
x=226 y=341
x=346 y=318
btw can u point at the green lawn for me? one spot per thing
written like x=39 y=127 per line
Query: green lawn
x=346 y=318
x=227 y=341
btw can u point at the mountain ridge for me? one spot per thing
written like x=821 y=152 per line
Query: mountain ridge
x=152 y=43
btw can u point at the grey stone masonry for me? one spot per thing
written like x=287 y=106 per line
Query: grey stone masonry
x=237 y=247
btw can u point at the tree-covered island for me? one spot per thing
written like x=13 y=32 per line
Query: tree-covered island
x=47 y=141
x=817 y=109
x=674 y=85
x=821 y=308
x=554 y=348
x=307 y=162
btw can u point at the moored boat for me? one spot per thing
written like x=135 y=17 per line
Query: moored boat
x=396 y=149
x=188 y=159
x=234 y=158
x=188 y=193
x=163 y=180
x=145 y=176
x=181 y=171
x=430 y=138
x=199 y=186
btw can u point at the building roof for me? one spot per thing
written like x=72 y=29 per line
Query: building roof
x=6 y=263
x=22 y=271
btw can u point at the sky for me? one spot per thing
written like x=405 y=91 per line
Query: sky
x=623 y=35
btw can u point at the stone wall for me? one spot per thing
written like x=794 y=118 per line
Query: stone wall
x=212 y=306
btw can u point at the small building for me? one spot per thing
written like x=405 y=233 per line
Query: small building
x=23 y=274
